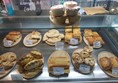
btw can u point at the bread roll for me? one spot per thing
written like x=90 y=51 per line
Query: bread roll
x=105 y=63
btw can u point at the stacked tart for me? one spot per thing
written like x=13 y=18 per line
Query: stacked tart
x=52 y=36
x=59 y=63
x=12 y=38
x=82 y=58
x=31 y=64
x=71 y=34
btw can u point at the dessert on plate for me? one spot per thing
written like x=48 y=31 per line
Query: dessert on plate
x=31 y=64
x=12 y=38
x=32 y=39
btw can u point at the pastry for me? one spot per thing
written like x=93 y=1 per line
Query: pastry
x=53 y=40
x=24 y=60
x=12 y=37
x=35 y=35
x=45 y=37
x=95 y=34
x=36 y=54
x=90 y=61
x=76 y=34
x=53 y=33
x=105 y=63
x=78 y=59
x=7 y=65
x=14 y=33
x=33 y=64
x=88 y=49
x=59 y=59
x=84 y=54
x=61 y=36
x=68 y=36
x=90 y=40
x=88 y=32
x=114 y=62
x=68 y=29
x=53 y=36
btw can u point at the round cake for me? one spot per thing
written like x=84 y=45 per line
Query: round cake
x=57 y=10
x=70 y=4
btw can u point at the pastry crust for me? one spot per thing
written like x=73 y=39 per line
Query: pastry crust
x=53 y=33
x=68 y=36
x=88 y=32
x=95 y=34
x=68 y=29
x=114 y=62
x=33 y=64
x=105 y=63
x=35 y=35
x=7 y=65
x=36 y=54
x=90 y=40
x=90 y=61
x=13 y=37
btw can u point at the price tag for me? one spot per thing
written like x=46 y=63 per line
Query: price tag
x=97 y=44
x=29 y=42
x=2 y=70
x=16 y=77
x=84 y=68
x=74 y=41
x=58 y=70
x=115 y=71
x=8 y=43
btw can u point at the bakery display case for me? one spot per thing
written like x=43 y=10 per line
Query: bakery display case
x=36 y=49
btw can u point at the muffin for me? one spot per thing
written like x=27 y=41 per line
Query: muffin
x=57 y=10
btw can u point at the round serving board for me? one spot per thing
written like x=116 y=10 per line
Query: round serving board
x=15 y=43
x=28 y=45
x=106 y=54
x=9 y=70
x=33 y=74
x=76 y=66
x=58 y=56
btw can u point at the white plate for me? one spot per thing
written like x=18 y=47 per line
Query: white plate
x=15 y=43
x=31 y=45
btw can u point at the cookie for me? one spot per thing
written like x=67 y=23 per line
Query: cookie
x=53 y=33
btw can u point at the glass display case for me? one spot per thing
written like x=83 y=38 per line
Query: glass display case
x=105 y=25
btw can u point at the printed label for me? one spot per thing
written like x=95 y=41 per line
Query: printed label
x=115 y=71
x=2 y=70
x=29 y=42
x=74 y=41
x=97 y=44
x=16 y=77
x=84 y=68
x=58 y=70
